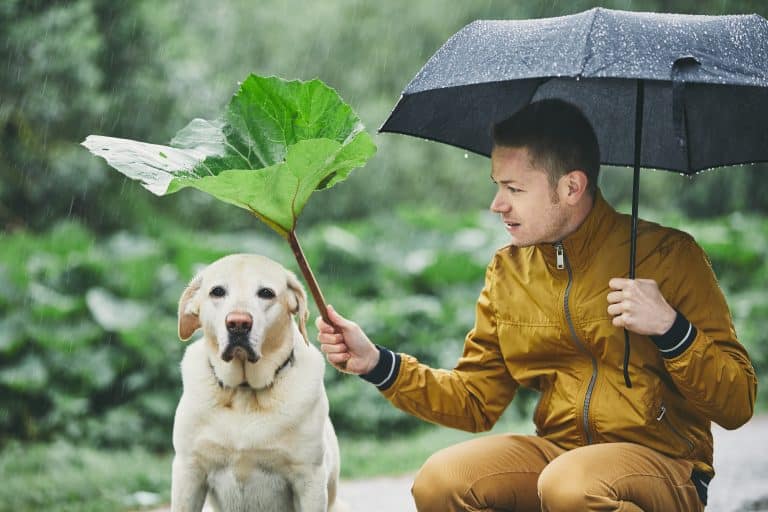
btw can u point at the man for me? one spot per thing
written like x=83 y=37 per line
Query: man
x=551 y=317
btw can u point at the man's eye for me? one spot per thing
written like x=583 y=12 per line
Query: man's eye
x=513 y=189
x=266 y=293
x=218 y=291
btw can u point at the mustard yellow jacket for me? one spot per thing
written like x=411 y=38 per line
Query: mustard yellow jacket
x=542 y=322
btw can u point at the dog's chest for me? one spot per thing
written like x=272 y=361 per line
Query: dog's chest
x=245 y=473
x=245 y=488
x=254 y=438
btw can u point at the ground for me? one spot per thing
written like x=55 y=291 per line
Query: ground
x=741 y=484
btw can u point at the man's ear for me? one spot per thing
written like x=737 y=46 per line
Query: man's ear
x=297 y=303
x=574 y=185
x=189 y=310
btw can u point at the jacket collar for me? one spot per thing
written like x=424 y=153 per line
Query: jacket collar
x=580 y=245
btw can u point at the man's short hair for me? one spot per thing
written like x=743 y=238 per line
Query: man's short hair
x=558 y=136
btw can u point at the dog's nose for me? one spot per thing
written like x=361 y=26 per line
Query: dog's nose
x=239 y=323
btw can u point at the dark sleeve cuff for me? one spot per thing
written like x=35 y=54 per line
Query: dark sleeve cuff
x=385 y=372
x=677 y=339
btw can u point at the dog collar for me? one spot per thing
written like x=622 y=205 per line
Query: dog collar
x=291 y=358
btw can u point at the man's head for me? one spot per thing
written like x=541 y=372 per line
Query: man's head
x=558 y=136
x=545 y=162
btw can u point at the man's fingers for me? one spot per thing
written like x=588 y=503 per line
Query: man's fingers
x=618 y=321
x=617 y=296
x=322 y=326
x=619 y=283
x=334 y=348
x=338 y=358
x=336 y=318
x=616 y=309
x=330 y=338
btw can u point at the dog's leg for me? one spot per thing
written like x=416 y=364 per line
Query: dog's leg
x=310 y=490
x=188 y=487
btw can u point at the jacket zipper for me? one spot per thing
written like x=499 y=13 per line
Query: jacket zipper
x=562 y=262
x=560 y=256
x=662 y=417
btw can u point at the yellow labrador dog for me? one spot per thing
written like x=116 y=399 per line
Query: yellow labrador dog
x=251 y=430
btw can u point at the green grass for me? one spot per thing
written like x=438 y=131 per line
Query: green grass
x=62 y=477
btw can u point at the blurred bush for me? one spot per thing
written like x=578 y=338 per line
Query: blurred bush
x=88 y=345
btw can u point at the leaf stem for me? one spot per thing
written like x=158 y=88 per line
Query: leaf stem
x=317 y=294
x=314 y=288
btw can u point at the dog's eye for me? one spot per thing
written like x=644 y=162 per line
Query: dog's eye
x=218 y=291
x=266 y=293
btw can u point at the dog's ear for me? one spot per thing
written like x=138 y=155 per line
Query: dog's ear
x=297 y=302
x=189 y=310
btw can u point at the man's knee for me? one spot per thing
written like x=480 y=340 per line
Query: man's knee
x=564 y=486
x=439 y=486
x=433 y=486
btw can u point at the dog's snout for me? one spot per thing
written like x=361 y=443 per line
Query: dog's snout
x=239 y=323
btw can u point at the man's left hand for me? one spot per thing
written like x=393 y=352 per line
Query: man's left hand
x=638 y=306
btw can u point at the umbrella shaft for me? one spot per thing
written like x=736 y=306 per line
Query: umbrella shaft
x=633 y=238
x=639 y=106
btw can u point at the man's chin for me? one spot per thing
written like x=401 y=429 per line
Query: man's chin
x=516 y=241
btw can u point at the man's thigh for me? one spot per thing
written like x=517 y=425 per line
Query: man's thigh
x=618 y=476
x=497 y=472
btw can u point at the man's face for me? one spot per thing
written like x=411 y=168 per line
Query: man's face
x=529 y=206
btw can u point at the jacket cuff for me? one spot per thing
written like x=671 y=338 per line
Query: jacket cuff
x=385 y=372
x=677 y=339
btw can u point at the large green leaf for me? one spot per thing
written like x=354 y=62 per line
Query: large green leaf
x=276 y=143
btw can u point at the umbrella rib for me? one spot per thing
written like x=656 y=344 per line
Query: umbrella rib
x=586 y=41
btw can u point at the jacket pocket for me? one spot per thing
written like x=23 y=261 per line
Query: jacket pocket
x=679 y=438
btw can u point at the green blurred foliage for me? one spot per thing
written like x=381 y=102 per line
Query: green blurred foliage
x=142 y=69
x=88 y=346
x=91 y=265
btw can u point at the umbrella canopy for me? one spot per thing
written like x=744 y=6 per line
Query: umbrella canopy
x=704 y=78
x=666 y=91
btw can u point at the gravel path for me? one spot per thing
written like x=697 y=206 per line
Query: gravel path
x=741 y=485
x=741 y=462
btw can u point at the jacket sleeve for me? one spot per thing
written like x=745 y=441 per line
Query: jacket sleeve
x=701 y=352
x=475 y=393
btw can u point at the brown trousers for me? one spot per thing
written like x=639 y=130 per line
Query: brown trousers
x=527 y=473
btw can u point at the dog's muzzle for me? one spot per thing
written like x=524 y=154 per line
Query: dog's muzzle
x=241 y=348
x=239 y=328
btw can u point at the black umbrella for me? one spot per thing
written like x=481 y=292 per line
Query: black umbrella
x=667 y=91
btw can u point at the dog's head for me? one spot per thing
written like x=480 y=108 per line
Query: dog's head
x=241 y=302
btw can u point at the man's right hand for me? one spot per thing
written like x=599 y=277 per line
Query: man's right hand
x=345 y=345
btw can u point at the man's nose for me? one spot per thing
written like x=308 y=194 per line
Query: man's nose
x=499 y=205
x=239 y=322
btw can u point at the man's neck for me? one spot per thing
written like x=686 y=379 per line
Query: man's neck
x=580 y=213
